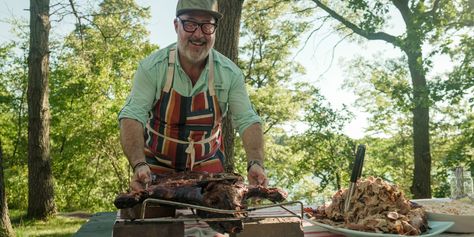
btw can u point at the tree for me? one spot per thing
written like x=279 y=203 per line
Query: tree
x=91 y=72
x=270 y=31
x=91 y=76
x=40 y=179
x=14 y=120
x=328 y=152
x=227 y=42
x=5 y=225
x=383 y=91
x=425 y=22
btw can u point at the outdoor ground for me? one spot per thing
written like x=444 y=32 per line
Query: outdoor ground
x=63 y=225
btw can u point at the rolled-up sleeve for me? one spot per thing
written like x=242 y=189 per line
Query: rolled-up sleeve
x=243 y=114
x=141 y=98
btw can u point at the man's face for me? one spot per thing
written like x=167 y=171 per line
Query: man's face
x=194 y=46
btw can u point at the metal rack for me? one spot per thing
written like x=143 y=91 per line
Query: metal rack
x=239 y=215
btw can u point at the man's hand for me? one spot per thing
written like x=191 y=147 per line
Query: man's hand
x=141 y=178
x=252 y=139
x=257 y=176
x=131 y=138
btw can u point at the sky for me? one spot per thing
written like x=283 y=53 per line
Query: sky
x=316 y=56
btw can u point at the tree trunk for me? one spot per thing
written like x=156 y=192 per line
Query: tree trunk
x=40 y=179
x=227 y=43
x=6 y=229
x=412 y=46
x=421 y=186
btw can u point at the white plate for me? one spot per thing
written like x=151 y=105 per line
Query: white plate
x=462 y=223
x=437 y=227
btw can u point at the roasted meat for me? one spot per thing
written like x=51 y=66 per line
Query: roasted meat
x=376 y=206
x=222 y=191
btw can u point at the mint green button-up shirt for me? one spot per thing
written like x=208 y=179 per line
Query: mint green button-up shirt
x=150 y=78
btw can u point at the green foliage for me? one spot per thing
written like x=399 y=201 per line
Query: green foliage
x=459 y=83
x=89 y=84
x=90 y=78
x=270 y=31
x=371 y=13
x=14 y=123
x=269 y=34
x=453 y=145
x=268 y=100
x=326 y=154
x=327 y=158
x=385 y=90
x=91 y=71
x=390 y=159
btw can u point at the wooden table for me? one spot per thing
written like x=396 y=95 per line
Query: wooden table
x=101 y=225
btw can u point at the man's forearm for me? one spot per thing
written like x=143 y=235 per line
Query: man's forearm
x=252 y=139
x=131 y=138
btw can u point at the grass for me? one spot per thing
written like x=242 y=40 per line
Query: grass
x=62 y=225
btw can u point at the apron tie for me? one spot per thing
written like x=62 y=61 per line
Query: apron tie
x=192 y=153
x=190 y=149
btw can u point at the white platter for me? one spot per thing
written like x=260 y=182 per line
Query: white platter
x=436 y=228
x=462 y=223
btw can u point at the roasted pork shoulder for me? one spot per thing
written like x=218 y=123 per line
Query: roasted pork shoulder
x=222 y=191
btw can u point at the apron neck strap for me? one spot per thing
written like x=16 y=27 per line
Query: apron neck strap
x=170 y=72
x=212 y=92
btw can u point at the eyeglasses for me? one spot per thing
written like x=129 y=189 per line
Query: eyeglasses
x=191 y=26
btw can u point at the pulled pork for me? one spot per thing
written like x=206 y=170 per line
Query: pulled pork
x=376 y=206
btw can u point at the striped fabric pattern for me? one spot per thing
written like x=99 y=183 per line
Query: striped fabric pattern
x=178 y=120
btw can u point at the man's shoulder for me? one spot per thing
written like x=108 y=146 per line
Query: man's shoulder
x=225 y=63
x=157 y=57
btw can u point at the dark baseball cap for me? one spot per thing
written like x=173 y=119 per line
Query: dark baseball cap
x=209 y=6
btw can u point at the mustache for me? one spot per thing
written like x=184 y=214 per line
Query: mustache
x=200 y=40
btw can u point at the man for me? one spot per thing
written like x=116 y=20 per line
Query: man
x=172 y=120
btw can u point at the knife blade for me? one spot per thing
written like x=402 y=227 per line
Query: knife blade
x=356 y=174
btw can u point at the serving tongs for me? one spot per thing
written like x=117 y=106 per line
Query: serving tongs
x=356 y=173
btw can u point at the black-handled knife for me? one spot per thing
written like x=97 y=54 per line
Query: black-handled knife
x=359 y=162
x=356 y=173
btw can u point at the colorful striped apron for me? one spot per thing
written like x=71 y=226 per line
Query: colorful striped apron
x=184 y=132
